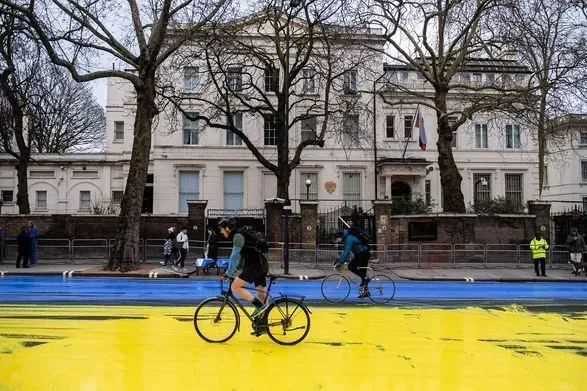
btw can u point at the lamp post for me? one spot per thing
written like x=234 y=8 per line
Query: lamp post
x=308 y=184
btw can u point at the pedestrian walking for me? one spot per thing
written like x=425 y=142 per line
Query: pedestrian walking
x=539 y=245
x=576 y=245
x=168 y=247
x=212 y=246
x=33 y=236
x=184 y=246
x=22 y=241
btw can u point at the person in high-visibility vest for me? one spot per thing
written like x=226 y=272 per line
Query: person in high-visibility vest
x=539 y=245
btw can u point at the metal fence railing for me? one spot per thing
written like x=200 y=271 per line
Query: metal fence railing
x=425 y=255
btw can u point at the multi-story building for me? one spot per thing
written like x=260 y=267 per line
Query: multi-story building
x=191 y=161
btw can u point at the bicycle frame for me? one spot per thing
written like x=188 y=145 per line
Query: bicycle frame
x=228 y=296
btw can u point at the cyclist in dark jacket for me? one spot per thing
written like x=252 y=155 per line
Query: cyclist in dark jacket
x=247 y=260
x=361 y=255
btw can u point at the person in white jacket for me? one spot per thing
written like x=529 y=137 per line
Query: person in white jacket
x=184 y=246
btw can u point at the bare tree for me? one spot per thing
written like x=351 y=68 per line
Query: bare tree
x=77 y=33
x=551 y=37
x=281 y=68
x=439 y=40
x=63 y=114
x=19 y=61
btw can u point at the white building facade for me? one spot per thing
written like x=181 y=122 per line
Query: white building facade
x=191 y=161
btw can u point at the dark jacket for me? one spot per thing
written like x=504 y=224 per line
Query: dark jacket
x=575 y=243
x=213 y=246
x=22 y=240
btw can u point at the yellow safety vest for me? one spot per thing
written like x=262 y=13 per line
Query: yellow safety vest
x=538 y=251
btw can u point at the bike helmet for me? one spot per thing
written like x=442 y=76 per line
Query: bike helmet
x=227 y=222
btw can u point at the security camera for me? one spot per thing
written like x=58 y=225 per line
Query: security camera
x=483 y=182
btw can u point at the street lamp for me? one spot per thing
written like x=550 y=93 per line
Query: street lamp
x=308 y=184
x=483 y=182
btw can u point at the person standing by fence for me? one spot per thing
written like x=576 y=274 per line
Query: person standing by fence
x=168 y=246
x=22 y=241
x=539 y=245
x=184 y=246
x=576 y=245
x=33 y=236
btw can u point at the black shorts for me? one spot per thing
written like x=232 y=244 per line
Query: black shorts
x=254 y=274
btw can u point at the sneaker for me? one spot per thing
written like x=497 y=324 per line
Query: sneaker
x=162 y=263
x=183 y=269
x=175 y=268
x=258 y=311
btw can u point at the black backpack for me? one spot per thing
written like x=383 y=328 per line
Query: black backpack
x=360 y=234
x=253 y=238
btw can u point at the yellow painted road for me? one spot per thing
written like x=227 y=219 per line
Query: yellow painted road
x=348 y=348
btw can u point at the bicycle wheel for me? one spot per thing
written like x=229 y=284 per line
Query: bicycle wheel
x=288 y=321
x=216 y=320
x=335 y=288
x=381 y=289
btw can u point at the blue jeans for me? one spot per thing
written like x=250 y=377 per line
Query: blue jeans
x=33 y=252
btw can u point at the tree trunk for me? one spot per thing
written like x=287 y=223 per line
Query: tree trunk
x=22 y=195
x=126 y=255
x=450 y=178
x=541 y=142
x=282 y=128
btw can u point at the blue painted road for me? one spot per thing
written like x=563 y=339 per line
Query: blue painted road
x=52 y=289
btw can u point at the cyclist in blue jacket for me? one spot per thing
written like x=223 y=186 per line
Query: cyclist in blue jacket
x=361 y=255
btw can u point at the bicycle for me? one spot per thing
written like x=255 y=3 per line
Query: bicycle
x=217 y=319
x=337 y=287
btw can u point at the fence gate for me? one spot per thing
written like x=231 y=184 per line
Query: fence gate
x=564 y=221
x=329 y=222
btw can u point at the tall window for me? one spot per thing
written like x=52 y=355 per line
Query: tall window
x=390 y=126
x=451 y=122
x=490 y=78
x=308 y=126
x=408 y=126
x=309 y=85
x=191 y=78
x=234 y=78
x=270 y=132
x=350 y=82
x=190 y=131
x=118 y=130
x=189 y=188
x=583 y=139
x=481 y=139
x=584 y=171
x=584 y=204
x=312 y=192
x=513 y=188
x=271 y=79
x=545 y=179
x=41 y=199
x=476 y=78
x=116 y=196
x=428 y=192
x=231 y=138
x=233 y=190
x=351 y=129
x=8 y=196
x=482 y=193
x=351 y=188
x=84 y=200
x=513 y=137
x=465 y=78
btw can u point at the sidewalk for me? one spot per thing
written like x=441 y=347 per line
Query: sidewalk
x=504 y=273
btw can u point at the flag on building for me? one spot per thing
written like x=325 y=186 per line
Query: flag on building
x=421 y=130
